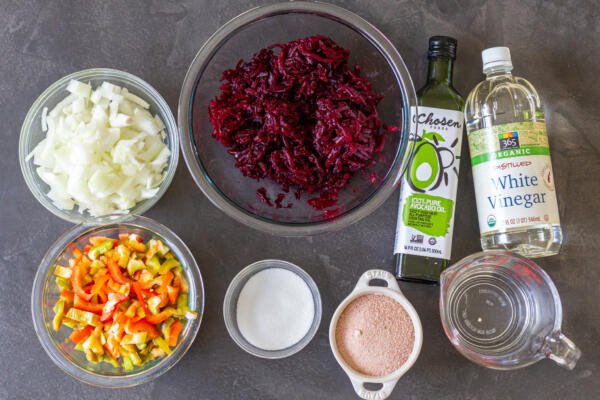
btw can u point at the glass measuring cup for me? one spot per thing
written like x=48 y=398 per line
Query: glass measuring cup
x=503 y=311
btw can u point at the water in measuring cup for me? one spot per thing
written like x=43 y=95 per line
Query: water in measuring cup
x=495 y=314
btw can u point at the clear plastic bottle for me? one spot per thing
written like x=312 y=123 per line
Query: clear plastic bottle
x=512 y=171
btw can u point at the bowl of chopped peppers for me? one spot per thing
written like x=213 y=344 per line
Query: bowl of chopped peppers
x=118 y=304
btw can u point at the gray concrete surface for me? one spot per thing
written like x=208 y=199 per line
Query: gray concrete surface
x=554 y=44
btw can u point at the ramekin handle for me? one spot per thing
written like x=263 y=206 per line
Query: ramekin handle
x=366 y=278
x=380 y=394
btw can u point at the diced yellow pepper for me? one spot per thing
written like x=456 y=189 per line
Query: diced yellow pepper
x=62 y=272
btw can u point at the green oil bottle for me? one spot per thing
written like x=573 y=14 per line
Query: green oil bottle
x=428 y=190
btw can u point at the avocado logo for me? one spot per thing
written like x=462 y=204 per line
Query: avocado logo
x=429 y=162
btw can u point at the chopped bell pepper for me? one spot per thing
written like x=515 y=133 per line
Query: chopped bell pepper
x=115 y=272
x=168 y=265
x=176 y=329
x=81 y=304
x=79 y=335
x=172 y=293
x=161 y=316
x=162 y=344
x=76 y=281
x=59 y=313
x=143 y=326
x=63 y=272
x=99 y=249
x=83 y=316
x=109 y=307
x=67 y=295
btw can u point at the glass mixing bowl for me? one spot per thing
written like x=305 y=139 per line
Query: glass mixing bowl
x=32 y=134
x=213 y=168
x=231 y=300
x=45 y=293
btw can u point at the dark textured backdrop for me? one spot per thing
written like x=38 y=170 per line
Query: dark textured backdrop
x=554 y=44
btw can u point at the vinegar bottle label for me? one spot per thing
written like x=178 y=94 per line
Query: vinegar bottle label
x=512 y=172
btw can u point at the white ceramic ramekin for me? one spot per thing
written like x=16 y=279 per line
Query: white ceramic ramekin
x=363 y=287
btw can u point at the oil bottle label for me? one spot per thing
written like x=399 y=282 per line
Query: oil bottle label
x=512 y=173
x=428 y=194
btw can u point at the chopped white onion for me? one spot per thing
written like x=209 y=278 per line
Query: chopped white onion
x=103 y=151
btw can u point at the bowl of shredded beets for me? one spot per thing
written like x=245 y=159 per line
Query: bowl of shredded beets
x=294 y=118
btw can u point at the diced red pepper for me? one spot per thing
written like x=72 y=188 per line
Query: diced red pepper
x=173 y=293
x=76 y=279
x=138 y=292
x=175 y=331
x=99 y=284
x=144 y=326
x=86 y=305
x=113 y=347
x=116 y=273
x=77 y=253
x=79 y=335
x=160 y=317
x=67 y=295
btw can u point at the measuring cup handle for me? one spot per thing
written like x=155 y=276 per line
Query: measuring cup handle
x=368 y=276
x=561 y=350
x=380 y=394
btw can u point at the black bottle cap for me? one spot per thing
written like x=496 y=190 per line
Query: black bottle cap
x=442 y=46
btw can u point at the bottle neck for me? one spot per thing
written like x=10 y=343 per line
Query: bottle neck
x=497 y=71
x=440 y=70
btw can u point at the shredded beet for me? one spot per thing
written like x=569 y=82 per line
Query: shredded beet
x=298 y=114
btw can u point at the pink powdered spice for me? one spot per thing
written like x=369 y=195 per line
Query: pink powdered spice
x=375 y=335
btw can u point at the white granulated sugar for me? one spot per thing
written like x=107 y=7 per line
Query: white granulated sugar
x=275 y=309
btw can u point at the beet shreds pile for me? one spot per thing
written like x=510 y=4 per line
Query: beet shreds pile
x=298 y=114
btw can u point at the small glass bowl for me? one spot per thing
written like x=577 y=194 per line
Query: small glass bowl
x=230 y=308
x=45 y=292
x=32 y=134
x=212 y=167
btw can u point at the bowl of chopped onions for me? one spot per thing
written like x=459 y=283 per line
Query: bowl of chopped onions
x=124 y=342
x=98 y=143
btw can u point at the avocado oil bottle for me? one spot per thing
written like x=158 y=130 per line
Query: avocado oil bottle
x=428 y=190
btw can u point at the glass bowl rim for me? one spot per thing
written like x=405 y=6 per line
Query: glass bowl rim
x=147 y=91
x=126 y=380
x=236 y=285
x=204 y=56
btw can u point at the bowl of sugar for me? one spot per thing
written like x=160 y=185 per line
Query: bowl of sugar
x=375 y=334
x=272 y=309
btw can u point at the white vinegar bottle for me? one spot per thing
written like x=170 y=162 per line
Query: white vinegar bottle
x=510 y=158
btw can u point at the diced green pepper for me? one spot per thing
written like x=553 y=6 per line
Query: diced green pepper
x=182 y=304
x=63 y=283
x=154 y=264
x=135 y=338
x=110 y=360
x=166 y=328
x=153 y=303
x=162 y=344
x=168 y=265
x=123 y=252
x=134 y=265
x=59 y=313
x=135 y=358
x=100 y=249
x=85 y=317
x=70 y=323
x=127 y=364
